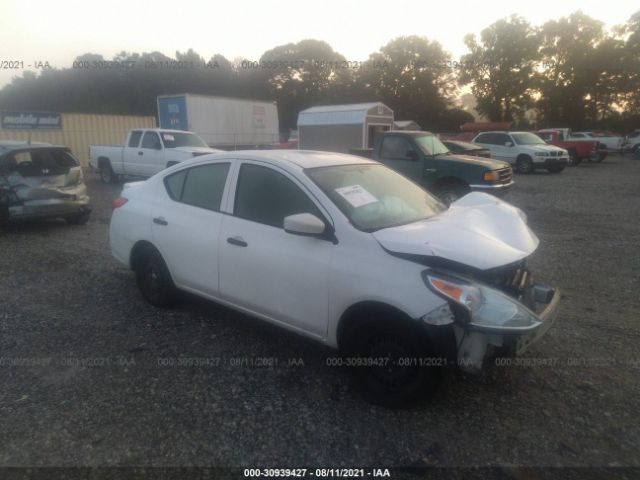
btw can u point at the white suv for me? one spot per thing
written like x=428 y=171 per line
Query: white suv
x=345 y=251
x=525 y=150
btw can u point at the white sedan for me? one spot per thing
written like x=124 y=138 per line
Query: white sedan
x=343 y=250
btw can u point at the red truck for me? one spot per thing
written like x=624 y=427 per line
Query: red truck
x=578 y=149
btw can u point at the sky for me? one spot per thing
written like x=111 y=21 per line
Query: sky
x=35 y=32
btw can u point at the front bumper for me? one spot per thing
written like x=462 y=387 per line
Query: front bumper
x=497 y=189
x=551 y=163
x=475 y=345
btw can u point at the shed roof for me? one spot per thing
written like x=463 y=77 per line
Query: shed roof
x=341 y=114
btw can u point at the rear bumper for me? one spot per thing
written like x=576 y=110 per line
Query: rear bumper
x=50 y=208
x=499 y=190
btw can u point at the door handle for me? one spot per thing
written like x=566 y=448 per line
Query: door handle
x=237 y=241
x=140 y=152
x=160 y=221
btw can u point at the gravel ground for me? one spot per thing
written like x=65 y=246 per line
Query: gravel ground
x=93 y=376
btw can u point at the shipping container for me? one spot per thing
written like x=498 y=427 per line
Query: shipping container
x=343 y=128
x=74 y=130
x=227 y=123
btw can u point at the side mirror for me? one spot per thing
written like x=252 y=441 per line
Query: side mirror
x=508 y=144
x=304 y=224
x=411 y=155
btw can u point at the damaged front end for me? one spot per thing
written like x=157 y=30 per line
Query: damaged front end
x=500 y=311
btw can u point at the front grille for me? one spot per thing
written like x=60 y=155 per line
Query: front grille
x=505 y=175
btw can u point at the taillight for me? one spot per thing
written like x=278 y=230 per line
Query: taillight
x=118 y=202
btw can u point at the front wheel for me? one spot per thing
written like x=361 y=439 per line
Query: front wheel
x=393 y=365
x=154 y=279
x=524 y=164
x=450 y=193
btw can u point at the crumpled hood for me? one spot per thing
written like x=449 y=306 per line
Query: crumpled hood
x=199 y=150
x=478 y=230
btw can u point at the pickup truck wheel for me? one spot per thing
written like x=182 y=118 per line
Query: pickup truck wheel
x=107 y=174
x=154 y=279
x=524 y=164
x=449 y=193
x=389 y=364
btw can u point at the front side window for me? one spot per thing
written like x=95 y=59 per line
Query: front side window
x=374 y=196
x=527 y=138
x=151 y=140
x=200 y=186
x=266 y=196
x=431 y=145
x=180 y=139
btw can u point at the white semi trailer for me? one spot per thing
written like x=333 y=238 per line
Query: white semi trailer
x=227 y=123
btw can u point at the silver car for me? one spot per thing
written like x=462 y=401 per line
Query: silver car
x=39 y=180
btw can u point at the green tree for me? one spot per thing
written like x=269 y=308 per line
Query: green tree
x=500 y=68
x=413 y=76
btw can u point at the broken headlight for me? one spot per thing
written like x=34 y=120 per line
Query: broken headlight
x=481 y=306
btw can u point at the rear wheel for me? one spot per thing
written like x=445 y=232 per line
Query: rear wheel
x=574 y=161
x=78 y=219
x=393 y=364
x=154 y=279
x=524 y=164
x=107 y=175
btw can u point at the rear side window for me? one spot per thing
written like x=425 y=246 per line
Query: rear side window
x=395 y=147
x=151 y=140
x=483 y=138
x=200 y=186
x=134 y=139
x=266 y=196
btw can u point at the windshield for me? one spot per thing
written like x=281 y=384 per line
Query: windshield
x=180 y=139
x=374 y=196
x=431 y=145
x=527 y=139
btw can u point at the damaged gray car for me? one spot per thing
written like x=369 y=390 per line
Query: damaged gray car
x=39 y=180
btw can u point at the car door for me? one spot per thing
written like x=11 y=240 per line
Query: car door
x=398 y=153
x=264 y=269
x=150 y=155
x=186 y=225
x=502 y=150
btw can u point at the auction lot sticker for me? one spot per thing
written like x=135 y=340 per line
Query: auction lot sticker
x=356 y=195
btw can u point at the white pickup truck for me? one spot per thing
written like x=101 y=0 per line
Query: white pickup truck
x=146 y=152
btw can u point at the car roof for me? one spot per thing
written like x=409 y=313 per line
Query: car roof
x=298 y=158
x=13 y=146
x=160 y=130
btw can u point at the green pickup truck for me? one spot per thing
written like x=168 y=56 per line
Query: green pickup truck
x=423 y=158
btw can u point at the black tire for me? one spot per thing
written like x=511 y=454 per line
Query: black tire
x=107 y=175
x=451 y=192
x=399 y=377
x=574 y=161
x=154 y=279
x=78 y=219
x=524 y=164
